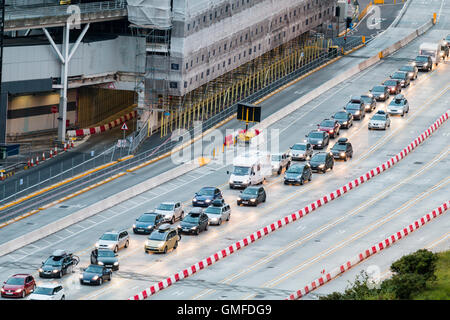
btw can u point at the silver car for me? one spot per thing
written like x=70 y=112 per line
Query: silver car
x=380 y=120
x=171 y=211
x=301 y=151
x=280 y=161
x=218 y=212
x=398 y=105
x=114 y=240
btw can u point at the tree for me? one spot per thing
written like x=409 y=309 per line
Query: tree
x=404 y=285
x=421 y=262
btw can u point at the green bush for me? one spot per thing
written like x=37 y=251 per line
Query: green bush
x=421 y=262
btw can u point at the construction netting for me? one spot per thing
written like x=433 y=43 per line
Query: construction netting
x=151 y=13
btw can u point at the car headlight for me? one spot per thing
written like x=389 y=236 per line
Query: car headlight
x=41 y=270
x=110 y=246
x=239 y=198
x=411 y=74
x=382 y=95
x=441 y=54
x=252 y=200
x=99 y=263
x=194 y=199
x=357 y=112
x=3 y=290
x=160 y=245
x=116 y=263
x=425 y=64
x=193 y=228
x=149 y=227
x=207 y=200
x=321 y=165
x=214 y=219
x=55 y=271
x=147 y=243
x=81 y=276
x=134 y=226
x=331 y=131
x=403 y=81
x=413 y=63
x=168 y=215
x=94 y=278
x=344 y=123
x=19 y=290
x=320 y=142
x=342 y=154
x=97 y=245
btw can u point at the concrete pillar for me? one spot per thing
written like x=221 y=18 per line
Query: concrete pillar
x=63 y=91
x=3 y=115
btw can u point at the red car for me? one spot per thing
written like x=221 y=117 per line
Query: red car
x=18 y=286
x=394 y=86
x=332 y=127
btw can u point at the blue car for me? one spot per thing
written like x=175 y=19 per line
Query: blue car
x=206 y=196
x=147 y=222
x=95 y=274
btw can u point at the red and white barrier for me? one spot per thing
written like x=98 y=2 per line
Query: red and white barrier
x=369 y=252
x=102 y=128
x=292 y=217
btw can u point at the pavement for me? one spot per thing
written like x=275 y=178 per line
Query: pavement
x=287 y=259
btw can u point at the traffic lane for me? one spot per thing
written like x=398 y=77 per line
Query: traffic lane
x=331 y=212
x=419 y=11
x=377 y=267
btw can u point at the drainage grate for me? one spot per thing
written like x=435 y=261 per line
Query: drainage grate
x=63 y=207
x=316 y=240
x=418 y=162
x=259 y=296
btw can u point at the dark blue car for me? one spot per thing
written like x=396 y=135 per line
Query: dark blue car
x=95 y=274
x=147 y=222
x=206 y=196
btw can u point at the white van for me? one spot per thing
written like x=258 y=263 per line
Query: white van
x=431 y=49
x=250 y=169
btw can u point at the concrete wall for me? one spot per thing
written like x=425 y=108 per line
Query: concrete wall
x=123 y=54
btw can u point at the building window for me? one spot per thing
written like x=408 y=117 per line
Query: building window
x=173 y=85
x=293 y=29
x=203 y=57
x=239 y=56
x=191 y=62
x=245 y=53
x=250 y=51
x=207 y=72
x=254 y=49
x=295 y=12
x=215 y=14
x=204 y=18
x=202 y=75
x=189 y=26
x=196 y=77
x=187 y=65
x=241 y=38
x=229 y=61
x=210 y=16
x=306 y=21
x=259 y=46
x=185 y=84
x=175 y=66
x=226 y=8
x=223 y=64
x=225 y=47
x=220 y=48
x=246 y=36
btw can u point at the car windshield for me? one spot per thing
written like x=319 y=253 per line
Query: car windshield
x=106 y=253
x=399 y=75
x=341 y=115
x=94 y=269
x=299 y=146
x=157 y=235
x=353 y=106
x=366 y=99
x=319 y=157
x=251 y=191
x=327 y=123
x=206 y=192
x=316 y=134
x=339 y=146
x=390 y=83
x=190 y=218
x=15 y=281
x=53 y=262
x=276 y=157
x=44 y=291
x=147 y=218
x=395 y=102
x=165 y=207
x=407 y=68
x=378 y=89
x=295 y=169
x=427 y=52
x=109 y=237
x=378 y=117
x=241 y=171
x=422 y=58
x=214 y=210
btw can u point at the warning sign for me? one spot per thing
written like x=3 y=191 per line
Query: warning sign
x=124 y=126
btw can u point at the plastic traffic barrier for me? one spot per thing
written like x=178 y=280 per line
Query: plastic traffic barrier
x=292 y=217
x=369 y=252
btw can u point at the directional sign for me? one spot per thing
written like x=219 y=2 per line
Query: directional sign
x=124 y=126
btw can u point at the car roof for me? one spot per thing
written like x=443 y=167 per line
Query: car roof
x=399 y=97
x=342 y=140
x=253 y=187
x=20 y=275
x=168 y=202
x=59 y=253
x=208 y=188
x=165 y=227
x=150 y=213
x=48 y=285
x=196 y=210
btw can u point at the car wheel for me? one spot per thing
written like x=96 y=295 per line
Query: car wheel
x=197 y=232
x=172 y=221
x=60 y=274
x=100 y=281
x=181 y=215
x=146 y=251
x=165 y=249
x=116 y=249
x=127 y=244
x=23 y=293
x=403 y=114
x=228 y=218
x=264 y=199
x=279 y=171
x=206 y=227
x=301 y=182
x=63 y=298
x=220 y=222
x=345 y=159
x=310 y=177
x=110 y=276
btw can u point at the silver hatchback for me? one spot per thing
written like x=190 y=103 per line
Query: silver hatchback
x=171 y=211
x=218 y=212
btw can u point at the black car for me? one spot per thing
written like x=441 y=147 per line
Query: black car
x=194 y=222
x=424 y=63
x=318 y=139
x=344 y=118
x=298 y=173
x=95 y=274
x=105 y=257
x=411 y=70
x=356 y=108
x=205 y=196
x=370 y=103
x=380 y=93
x=342 y=149
x=252 y=196
x=147 y=222
x=403 y=77
x=322 y=161
x=58 y=264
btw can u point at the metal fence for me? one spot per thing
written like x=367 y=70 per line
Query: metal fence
x=12 y=190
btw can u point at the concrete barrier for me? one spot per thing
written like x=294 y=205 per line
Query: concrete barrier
x=98 y=207
x=369 y=252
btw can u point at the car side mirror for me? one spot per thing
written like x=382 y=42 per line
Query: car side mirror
x=115 y=254
x=240 y=191
x=306 y=136
x=228 y=172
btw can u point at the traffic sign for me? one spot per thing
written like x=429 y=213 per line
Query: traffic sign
x=124 y=126
x=54 y=109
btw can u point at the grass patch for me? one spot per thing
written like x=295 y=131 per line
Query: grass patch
x=440 y=288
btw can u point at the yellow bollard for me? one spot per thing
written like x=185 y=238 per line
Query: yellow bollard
x=363 y=39
x=214 y=153
x=434 y=18
x=223 y=147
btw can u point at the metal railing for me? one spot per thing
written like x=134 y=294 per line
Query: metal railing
x=12 y=190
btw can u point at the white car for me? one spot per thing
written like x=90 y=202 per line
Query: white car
x=114 y=240
x=280 y=161
x=399 y=105
x=48 y=291
x=301 y=151
x=380 y=120
x=171 y=211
